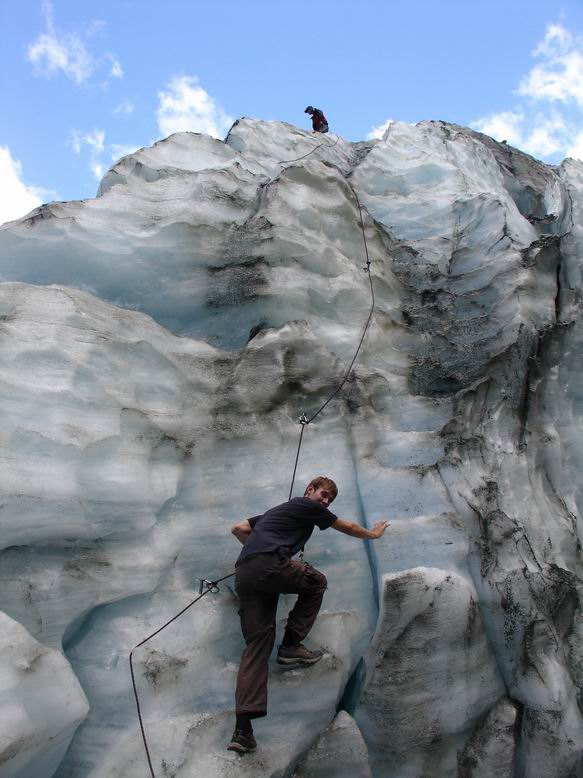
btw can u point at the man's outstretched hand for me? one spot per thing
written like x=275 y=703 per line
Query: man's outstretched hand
x=358 y=531
x=379 y=528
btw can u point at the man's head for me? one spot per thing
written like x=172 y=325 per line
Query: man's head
x=321 y=490
x=309 y=109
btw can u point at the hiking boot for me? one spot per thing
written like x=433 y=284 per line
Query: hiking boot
x=242 y=742
x=298 y=655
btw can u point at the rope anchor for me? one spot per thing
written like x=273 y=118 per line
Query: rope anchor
x=211 y=586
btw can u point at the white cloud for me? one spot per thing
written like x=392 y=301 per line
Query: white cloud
x=541 y=135
x=95 y=140
x=76 y=140
x=557 y=40
x=186 y=106
x=559 y=77
x=94 y=26
x=100 y=154
x=576 y=148
x=97 y=168
x=125 y=107
x=16 y=197
x=378 y=132
x=116 y=68
x=55 y=51
x=548 y=135
x=547 y=120
x=505 y=125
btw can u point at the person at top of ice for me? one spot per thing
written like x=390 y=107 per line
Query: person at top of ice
x=319 y=121
x=264 y=570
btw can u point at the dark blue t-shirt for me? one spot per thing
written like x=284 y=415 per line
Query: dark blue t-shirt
x=286 y=528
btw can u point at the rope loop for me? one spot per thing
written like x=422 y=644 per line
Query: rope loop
x=303 y=419
x=297 y=159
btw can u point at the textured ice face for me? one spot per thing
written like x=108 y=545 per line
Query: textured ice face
x=426 y=684
x=211 y=249
x=340 y=752
x=158 y=345
x=41 y=706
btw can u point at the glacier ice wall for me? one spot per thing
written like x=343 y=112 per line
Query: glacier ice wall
x=42 y=703
x=159 y=343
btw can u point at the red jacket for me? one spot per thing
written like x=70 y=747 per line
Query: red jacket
x=318 y=120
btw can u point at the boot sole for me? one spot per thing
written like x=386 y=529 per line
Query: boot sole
x=239 y=749
x=288 y=662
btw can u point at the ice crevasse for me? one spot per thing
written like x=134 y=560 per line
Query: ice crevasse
x=159 y=343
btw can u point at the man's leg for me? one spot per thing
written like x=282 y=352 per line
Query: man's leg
x=257 y=613
x=259 y=583
x=309 y=584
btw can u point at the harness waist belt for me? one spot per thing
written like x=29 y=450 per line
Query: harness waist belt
x=277 y=552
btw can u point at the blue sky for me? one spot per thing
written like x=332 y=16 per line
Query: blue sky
x=83 y=82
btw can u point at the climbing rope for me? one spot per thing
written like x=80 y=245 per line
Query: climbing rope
x=319 y=146
x=213 y=586
x=305 y=420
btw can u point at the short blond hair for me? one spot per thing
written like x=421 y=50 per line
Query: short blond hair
x=322 y=480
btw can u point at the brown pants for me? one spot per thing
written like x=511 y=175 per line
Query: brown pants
x=259 y=582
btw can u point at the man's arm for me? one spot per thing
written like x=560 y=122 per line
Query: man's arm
x=242 y=530
x=356 y=531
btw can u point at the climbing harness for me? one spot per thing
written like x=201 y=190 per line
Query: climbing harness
x=206 y=586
